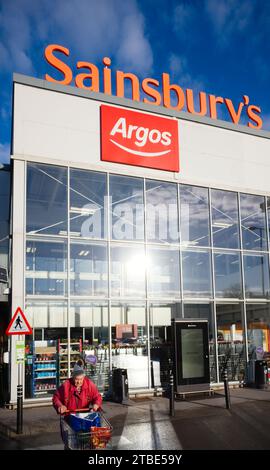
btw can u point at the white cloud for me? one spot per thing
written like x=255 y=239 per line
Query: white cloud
x=180 y=73
x=183 y=15
x=5 y=113
x=15 y=37
x=5 y=153
x=229 y=16
x=134 y=52
x=90 y=28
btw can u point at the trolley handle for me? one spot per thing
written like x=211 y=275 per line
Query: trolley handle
x=78 y=410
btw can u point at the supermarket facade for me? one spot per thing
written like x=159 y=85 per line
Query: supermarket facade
x=124 y=217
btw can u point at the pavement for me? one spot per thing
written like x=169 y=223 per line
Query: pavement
x=145 y=424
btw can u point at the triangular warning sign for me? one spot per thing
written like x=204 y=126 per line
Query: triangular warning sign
x=19 y=325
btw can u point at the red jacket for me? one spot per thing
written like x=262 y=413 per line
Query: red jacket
x=67 y=395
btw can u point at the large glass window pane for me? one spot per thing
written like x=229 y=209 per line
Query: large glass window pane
x=161 y=315
x=88 y=191
x=227 y=275
x=253 y=222
x=204 y=312
x=258 y=329
x=88 y=266
x=48 y=320
x=256 y=269
x=194 y=205
x=230 y=341
x=268 y=218
x=46 y=199
x=128 y=271
x=162 y=212
x=129 y=338
x=47 y=315
x=196 y=273
x=163 y=272
x=225 y=224
x=89 y=330
x=126 y=208
x=46 y=267
x=4 y=224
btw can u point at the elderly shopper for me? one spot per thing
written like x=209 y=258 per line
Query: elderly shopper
x=76 y=393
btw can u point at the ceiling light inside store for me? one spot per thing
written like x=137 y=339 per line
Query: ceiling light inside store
x=30 y=249
x=83 y=210
x=84 y=253
x=222 y=225
x=189 y=243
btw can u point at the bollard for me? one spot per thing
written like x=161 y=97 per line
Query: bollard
x=19 y=409
x=172 y=412
x=226 y=389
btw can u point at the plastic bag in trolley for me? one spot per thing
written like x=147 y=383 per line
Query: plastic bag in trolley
x=83 y=422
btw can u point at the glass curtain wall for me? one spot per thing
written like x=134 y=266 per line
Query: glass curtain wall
x=230 y=341
x=118 y=257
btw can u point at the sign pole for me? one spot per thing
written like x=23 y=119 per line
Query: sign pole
x=20 y=397
x=19 y=326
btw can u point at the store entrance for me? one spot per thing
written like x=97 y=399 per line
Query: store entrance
x=191 y=355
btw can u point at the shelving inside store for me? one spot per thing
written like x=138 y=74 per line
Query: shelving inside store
x=75 y=352
x=45 y=369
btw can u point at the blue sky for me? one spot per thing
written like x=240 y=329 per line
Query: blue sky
x=218 y=46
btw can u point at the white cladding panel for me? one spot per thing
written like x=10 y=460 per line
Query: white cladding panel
x=64 y=128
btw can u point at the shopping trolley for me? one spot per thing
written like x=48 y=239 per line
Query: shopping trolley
x=97 y=437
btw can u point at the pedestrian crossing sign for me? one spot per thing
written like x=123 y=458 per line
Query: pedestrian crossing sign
x=19 y=324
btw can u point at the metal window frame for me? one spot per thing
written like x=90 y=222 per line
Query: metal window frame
x=149 y=300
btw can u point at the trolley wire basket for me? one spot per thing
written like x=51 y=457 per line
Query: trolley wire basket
x=95 y=438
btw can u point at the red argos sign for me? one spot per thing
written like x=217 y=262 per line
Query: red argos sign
x=139 y=139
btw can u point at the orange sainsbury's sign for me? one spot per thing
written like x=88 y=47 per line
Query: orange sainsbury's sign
x=161 y=93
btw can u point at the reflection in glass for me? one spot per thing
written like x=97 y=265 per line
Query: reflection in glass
x=89 y=328
x=161 y=212
x=194 y=205
x=128 y=270
x=225 y=223
x=163 y=272
x=253 y=222
x=204 y=312
x=268 y=217
x=258 y=329
x=256 y=269
x=126 y=208
x=88 y=191
x=46 y=199
x=88 y=265
x=227 y=275
x=161 y=315
x=196 y=273
x=46 y=267
x=129 y=341
x=4 y=219
x=5 y=199
x=230 y=341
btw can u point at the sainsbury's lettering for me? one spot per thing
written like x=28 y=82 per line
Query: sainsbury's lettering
x=155 y=92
